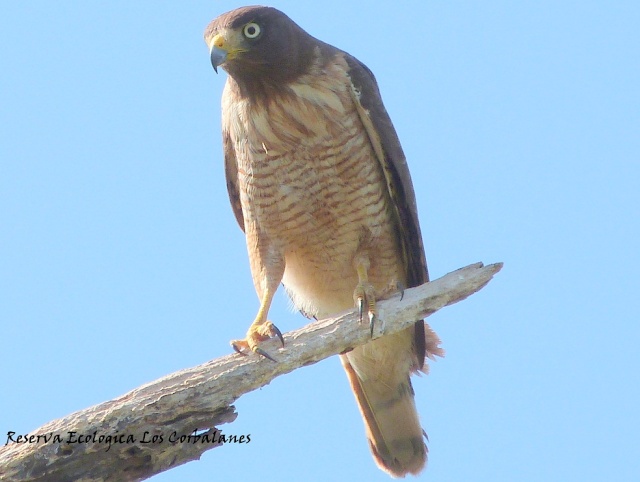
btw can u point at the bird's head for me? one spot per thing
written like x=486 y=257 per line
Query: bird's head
x=258 y=44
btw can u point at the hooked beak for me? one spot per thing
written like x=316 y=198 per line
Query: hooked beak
x=218 y=56
x=219 y=52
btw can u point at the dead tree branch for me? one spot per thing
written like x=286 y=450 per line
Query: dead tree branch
x=202 y=397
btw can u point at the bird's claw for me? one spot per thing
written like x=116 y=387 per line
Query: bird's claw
x=372 y=319
x=255 y=335
x=257 y=350
x=278 y=333
x=260 y=351
x=365 y=293
x=234 y=345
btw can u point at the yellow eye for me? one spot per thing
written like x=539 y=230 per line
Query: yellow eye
x=251 y=30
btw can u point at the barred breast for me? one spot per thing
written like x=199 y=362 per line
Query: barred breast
x=310 y=184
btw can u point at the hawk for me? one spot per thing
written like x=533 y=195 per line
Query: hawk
x=319 y=184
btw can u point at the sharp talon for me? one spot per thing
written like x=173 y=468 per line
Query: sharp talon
x=401 y=288
x=307 y=315
x=372 y=319
x=278 y=334
x=260 y=351
x=360 y=308
x=238 y=350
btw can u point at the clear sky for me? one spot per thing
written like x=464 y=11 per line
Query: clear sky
x=121 y=261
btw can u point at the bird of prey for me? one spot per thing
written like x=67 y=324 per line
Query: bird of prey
x=319 y=184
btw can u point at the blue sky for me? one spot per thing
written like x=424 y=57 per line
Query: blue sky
x=121 y=261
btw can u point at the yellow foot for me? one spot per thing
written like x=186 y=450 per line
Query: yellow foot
x=392 y=288
x=366 y=294
x=255 y=335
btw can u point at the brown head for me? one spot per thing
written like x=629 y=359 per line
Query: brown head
x=259 y=45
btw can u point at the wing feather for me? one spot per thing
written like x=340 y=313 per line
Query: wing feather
x=231 y=175
x=386 y=145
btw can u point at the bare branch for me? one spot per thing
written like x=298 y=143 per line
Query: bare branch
x=202 y=397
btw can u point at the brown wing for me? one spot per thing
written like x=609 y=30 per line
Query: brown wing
x=231 y=175
x=386 y=144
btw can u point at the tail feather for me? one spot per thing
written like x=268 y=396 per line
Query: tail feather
x=392 y=426
x=379 y=376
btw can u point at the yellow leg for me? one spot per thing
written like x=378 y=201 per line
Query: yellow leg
x=261 y=329
x=364 y=292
